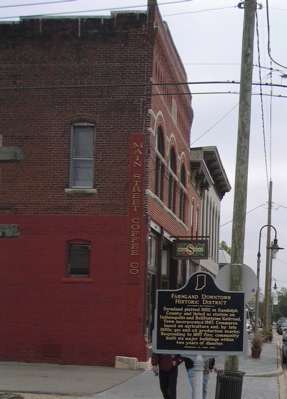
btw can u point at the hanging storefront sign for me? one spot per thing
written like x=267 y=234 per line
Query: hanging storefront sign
x=190 y=249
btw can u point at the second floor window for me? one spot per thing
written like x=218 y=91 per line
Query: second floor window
x=159 y=164
x=82 y=156
x=172 y=181
x=182 y=199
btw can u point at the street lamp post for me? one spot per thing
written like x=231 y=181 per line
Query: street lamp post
x=275 y=248
x=273 y=296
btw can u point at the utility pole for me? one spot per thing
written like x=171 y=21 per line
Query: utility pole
x=242 y=157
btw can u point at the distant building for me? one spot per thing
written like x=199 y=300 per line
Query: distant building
x=224 y=258
x=211 y=182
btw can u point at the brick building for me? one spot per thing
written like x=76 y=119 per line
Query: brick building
x=103 y=188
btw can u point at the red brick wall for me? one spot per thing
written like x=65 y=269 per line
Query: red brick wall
x=39 y=120
x=90 y=320
x=42 y=313
x=84 y=322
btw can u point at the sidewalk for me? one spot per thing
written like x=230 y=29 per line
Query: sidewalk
x=260 y=381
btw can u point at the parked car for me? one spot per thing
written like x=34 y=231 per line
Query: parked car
x=279 y=322
x=284 y=347
x=282 y=327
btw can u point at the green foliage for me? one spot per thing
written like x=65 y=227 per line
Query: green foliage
x=224 y=246
x=275 y=316
x=256 y=341
x=282 y=301
x=267 y=332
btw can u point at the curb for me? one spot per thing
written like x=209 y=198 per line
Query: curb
x=275 y=373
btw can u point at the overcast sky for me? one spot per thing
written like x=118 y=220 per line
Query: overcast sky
x=208 y=37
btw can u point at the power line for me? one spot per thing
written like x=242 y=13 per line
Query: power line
x=269 y=38
x=100 y=9
x=254 y=209
x=261 y=101
x=129 y=85
x=199 y=11
x=38 y=4
x=215 y=124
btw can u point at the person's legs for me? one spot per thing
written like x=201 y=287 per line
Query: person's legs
x=164 y=383
x=172 y=382
x=204 y=388
x=190 y=374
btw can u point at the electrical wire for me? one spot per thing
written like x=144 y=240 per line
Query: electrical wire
x=197 y=12
x=99 y=10
x=38 y=4
x=269 y=37
x=129 y=85
x=224 y=116
x=261 y=100
x=254 y=209
x=270 y=122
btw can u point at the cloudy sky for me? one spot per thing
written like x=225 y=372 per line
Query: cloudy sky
x=208 y=37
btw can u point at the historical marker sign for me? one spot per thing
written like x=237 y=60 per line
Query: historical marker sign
x=200 y=318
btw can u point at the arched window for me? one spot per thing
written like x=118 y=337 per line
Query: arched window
x=172 y=181
x=159 y=163
x=182 y=194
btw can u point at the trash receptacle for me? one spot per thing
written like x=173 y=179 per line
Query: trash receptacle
x=229 y=384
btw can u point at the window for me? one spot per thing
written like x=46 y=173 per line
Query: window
x=82 y=156
x=174 y=110
x=152 y=252
x=78 y=258
x=159 y=164
x=182 y=199
x=172 y=181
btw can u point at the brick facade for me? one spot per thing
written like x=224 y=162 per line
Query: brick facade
x=55 y=73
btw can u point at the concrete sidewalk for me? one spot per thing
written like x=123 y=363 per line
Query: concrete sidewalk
x=260 y=381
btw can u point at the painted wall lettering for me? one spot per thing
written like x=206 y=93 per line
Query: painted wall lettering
x=135 y=224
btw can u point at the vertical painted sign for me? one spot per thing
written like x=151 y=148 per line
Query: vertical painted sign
x=135 y=209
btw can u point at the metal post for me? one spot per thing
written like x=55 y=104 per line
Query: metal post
x=266 y=310
x=258 y=287
x=275 y=248
x=198 y=377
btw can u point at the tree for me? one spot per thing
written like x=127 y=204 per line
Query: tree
x=224 y=246
x=282 y=301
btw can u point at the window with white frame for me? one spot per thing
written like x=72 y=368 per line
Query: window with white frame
x=78 y=258
x=82 y=156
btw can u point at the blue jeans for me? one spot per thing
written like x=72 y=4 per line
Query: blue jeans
x=190 y=374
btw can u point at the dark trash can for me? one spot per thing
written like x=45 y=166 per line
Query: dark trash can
x=229 y=384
